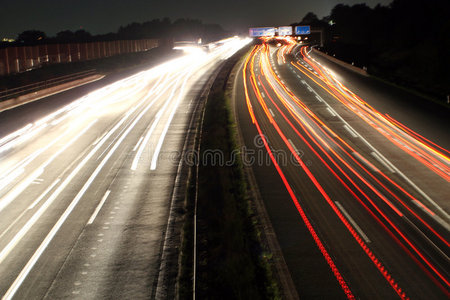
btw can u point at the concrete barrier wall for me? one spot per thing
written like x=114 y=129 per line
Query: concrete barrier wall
x=341 y=63
x=20 y=59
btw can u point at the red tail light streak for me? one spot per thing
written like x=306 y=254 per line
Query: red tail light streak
x=344 y=162
x=423 y=150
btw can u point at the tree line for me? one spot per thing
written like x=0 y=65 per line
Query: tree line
x=186 y=29
x=406 y=42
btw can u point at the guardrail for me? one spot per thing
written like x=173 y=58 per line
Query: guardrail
x=30 y=88
x=344 y=64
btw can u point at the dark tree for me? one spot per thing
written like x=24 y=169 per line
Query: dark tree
x=406 y=42
x=310 y=18
x=82 y=36
x=31 y=36
x=65 y=36
x=181 y=29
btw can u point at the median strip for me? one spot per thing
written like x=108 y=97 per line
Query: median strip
x=230 y=260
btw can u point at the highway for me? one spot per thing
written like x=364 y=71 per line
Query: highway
x=85 y=191
x=358 y=200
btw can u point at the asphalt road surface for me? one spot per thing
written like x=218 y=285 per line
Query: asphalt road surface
x=85 y=190
x=356 y=191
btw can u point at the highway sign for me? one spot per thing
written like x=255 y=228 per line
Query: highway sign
x=285 y=30
x=302 y=30
x=262 y=31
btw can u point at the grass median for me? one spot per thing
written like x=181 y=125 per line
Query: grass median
x=231 y=261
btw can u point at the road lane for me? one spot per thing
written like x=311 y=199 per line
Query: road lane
x=347 y=195
x=60 y=235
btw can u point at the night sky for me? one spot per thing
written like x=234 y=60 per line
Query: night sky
x=102 y=16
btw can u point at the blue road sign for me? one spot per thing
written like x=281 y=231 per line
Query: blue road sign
x=302 y=30
x=262 y=31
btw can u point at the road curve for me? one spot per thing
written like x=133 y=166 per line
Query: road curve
x=356 y=198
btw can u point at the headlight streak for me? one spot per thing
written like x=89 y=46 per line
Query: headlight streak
x=201 y=59
x=156 y=120
x=24 y=273
x=5 y=251
x=32 y=130
x=301 y=121
x=12 y=174
x=164 y=72
x=50 y=200
x=12 y=136
x=101 y=97
x=168 y=75
x=110 y=94
x=8 y=178
x=166 y=127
